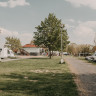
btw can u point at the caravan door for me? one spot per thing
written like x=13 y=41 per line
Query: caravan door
x=10 y=53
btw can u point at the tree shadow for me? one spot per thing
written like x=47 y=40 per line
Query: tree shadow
x=38 y=58
x=37 y=84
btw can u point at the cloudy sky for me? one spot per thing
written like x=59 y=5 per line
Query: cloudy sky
x=20 y=17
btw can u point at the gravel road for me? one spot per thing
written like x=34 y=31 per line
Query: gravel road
x=86 y=75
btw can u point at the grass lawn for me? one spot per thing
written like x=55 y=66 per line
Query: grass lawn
x=88 y=61
x=36 y=77
x=92 y=62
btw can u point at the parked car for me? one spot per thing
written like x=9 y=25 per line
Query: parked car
x=65 y=53
x=91 y=58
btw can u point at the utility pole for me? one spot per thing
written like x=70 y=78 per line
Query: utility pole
x=95 y=39
x=62 y=60
x=0 y=50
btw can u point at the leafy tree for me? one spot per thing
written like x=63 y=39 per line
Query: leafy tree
x=75 y=49
x=72 y=48
x=32 y=42
x=94 y=49
x=13 y=43
x=49 y=34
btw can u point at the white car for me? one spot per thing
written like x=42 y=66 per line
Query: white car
x=65 y=53
x=91 y=58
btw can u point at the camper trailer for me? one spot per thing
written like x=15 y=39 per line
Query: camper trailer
x=5 y=53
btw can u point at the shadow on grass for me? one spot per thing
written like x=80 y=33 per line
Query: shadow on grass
x=36 y=84
x=93 y=62
x=39 y=58
x=90 y=61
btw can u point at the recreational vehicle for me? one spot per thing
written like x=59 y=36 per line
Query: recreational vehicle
x=5 y=53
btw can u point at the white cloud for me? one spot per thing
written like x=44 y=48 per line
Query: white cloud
x=24 y=37
x=71 y=20
x=83 y=33
x=14 y=3
x=3 y=4
x=78 y=3
x=69 y=26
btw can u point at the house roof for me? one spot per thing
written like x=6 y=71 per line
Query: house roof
x=29 y=46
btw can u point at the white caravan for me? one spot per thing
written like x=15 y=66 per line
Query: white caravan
x=5 y=52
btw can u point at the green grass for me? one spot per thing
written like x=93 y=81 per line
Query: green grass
x=88 y=61
x=92 y=62
x=81 y=58
x=36 y=77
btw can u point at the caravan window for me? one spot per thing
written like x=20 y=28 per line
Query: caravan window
x=8 y=52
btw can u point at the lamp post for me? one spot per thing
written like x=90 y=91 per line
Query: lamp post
x=62 y=60
x=0 y=50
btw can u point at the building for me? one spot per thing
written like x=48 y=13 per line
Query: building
x=33 y=49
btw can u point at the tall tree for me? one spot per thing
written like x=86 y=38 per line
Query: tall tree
x=32 y=42
x=49 y=34
x=13 y=43
x=75 y=49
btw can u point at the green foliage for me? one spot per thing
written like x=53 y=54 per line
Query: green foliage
x=75 y=49
x=13 y=43
x=49 y=33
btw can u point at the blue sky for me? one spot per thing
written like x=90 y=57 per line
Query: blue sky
x=20 y=17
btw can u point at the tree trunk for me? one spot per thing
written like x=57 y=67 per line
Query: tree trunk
x=50 y=54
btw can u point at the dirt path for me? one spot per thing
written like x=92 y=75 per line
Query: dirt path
x=86 y=75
